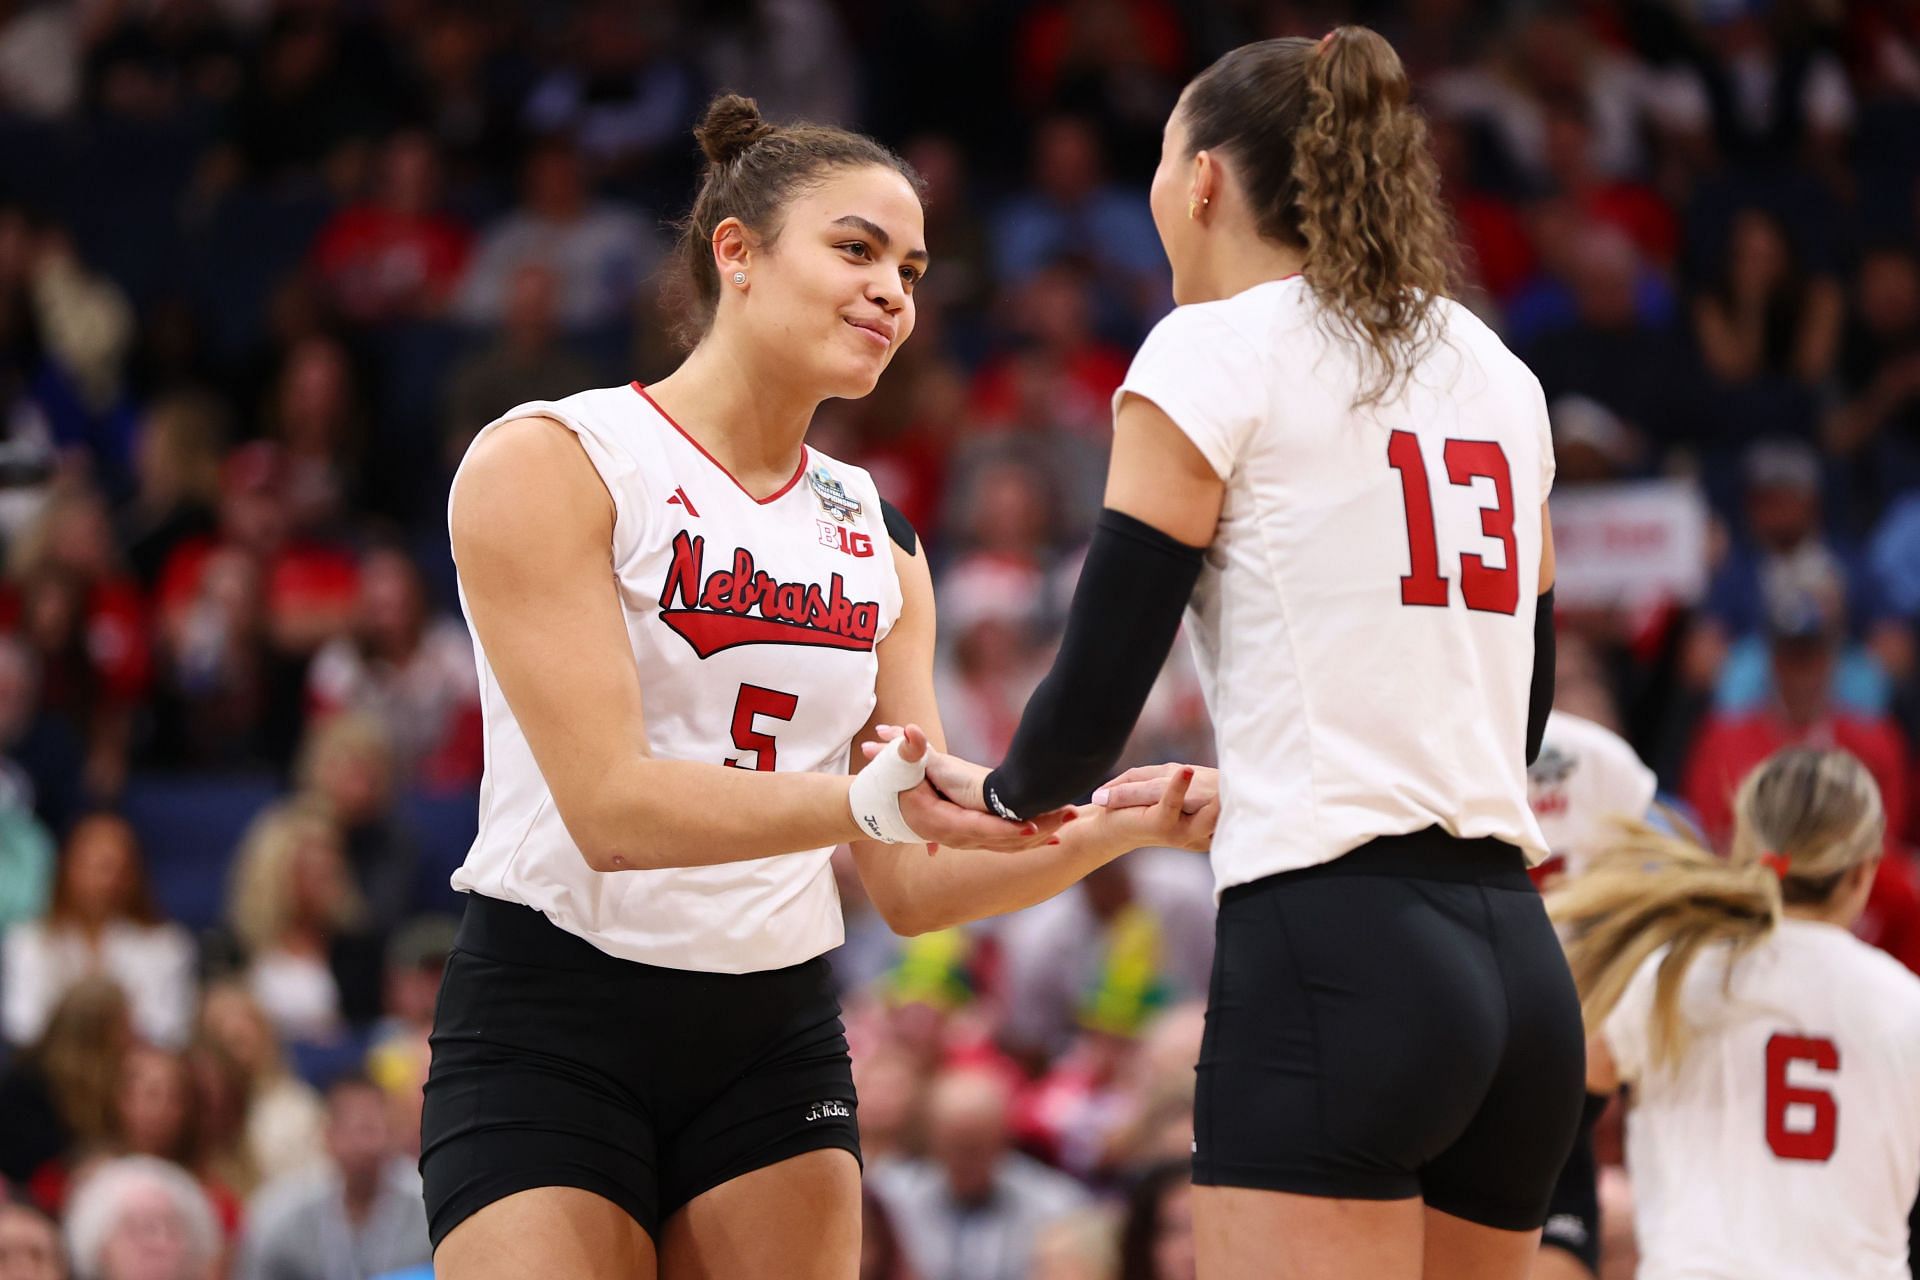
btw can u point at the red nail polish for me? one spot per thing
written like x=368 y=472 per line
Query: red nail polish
x=1055 y=840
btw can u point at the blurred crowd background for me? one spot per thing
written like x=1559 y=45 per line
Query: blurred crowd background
x=267 y=265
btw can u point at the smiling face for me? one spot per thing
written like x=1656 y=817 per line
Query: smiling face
x=833 y=291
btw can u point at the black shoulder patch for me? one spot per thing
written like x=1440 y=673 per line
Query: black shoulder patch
x=899 y=529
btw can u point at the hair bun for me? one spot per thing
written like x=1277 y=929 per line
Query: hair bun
x=732 y=124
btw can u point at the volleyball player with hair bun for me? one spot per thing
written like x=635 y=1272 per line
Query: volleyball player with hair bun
x=686 y=620
x=1346 y=474
x=1774 y=1058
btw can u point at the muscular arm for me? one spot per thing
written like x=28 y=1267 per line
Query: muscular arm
x=532 y=534
x=918 y=894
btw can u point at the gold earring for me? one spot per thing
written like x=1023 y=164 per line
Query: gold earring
x=1195 y=206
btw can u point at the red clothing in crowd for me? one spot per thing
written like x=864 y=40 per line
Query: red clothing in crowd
x=118 y=650
x=379 y=264
x=1730 y=747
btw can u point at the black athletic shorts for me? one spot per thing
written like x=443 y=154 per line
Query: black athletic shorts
x=1398 y=1022
x=558 y=1065
x=1573 y=1215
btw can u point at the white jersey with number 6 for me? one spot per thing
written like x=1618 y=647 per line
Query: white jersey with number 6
x=1785 y=1144
x=1364 y=624
x=754 y=625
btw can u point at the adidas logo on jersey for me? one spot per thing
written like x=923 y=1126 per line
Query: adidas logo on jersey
x=746 y=605
x=680 y=499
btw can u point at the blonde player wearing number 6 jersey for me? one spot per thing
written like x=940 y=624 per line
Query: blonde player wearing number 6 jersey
x=1774 y=1058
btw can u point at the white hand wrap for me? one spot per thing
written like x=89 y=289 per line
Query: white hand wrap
x=875 y=798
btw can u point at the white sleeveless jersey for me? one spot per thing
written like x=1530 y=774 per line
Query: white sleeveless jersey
x=1364 y=624
x=1586 y=779
x=753 y=625
x=1786 y=1143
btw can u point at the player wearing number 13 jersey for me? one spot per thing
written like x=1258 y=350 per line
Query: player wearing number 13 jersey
x=1773 y=1057
x=1343 y=475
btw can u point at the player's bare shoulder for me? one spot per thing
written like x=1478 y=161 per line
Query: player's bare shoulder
x=529 y=468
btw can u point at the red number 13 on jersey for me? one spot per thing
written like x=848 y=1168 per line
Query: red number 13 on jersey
x=1485 y=589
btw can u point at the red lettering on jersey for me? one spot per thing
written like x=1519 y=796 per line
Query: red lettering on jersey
x=1816 y=1138
x=717 y=611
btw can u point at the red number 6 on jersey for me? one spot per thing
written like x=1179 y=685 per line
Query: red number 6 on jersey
x=1486 y=590
x=1815 y=1142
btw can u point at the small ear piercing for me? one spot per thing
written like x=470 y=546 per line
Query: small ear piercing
x=1195 y=206
x=739 y=277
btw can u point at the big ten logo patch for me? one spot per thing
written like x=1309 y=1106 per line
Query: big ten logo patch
x=851 y=541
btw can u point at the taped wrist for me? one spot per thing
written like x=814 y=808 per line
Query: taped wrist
x=875 y=795
x=1120 y=628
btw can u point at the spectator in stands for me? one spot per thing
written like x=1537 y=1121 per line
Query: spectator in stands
x=358 y=1214
x=408 y=669
x=347 y=769
x=1766 y=315
x=1059 y=375
x=973 y=1208
x=176 y=465
x=1153 y=1121
x=1616 y=347
x=26 y=848
x=85 y=617
x=990 y=610
x=239 y=615
x=528 y=361
x=1135 y=935
x=1876 y=426
x=283 y=1120
x=159 y=1111
x=314 y=414
x=58 y=1095
x=140 y=1218
x=1156 y=1238
x=594 y=252
x=30 y=1246
x=1783 y=550
x=398 y=1053
x=1070 y=208
x=881 y=1257
x=396 y=255
x=622 y=91
x=294 y=908
x=102 y=920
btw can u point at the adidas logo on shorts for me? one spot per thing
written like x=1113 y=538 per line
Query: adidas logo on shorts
x=821 y=1110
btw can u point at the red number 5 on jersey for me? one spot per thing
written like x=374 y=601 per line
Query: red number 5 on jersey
x=1484 y=589
x=1801 y=1141
x=755 y=701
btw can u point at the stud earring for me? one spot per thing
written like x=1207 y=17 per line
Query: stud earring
x=1195 y=206
x=739 y=277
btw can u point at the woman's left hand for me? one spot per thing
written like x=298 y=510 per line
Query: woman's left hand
x=1177 y=819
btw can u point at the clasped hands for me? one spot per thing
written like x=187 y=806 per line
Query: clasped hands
x=1170 y=805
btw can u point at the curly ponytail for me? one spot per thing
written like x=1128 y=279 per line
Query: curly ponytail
x=1334 y=159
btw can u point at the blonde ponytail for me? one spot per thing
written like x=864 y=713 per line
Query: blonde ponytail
x=1803 y=819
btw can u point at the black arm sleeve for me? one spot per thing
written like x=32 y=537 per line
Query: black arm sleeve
x=1120 y=628
x=1540 y=696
